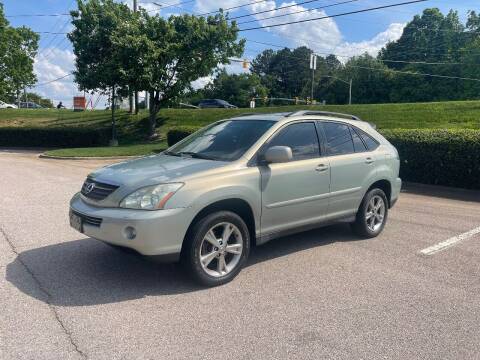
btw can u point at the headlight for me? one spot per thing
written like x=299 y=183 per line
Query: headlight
x=151 y=197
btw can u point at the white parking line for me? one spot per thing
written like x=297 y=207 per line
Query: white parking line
x=450 y=242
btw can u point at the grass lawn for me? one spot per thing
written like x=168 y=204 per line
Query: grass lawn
x=108 y=151
x=132 y=128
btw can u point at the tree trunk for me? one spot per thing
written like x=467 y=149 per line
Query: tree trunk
x=136 y=102
x=154 y=108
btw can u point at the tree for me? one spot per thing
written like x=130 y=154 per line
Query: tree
x=166 y=55
x=286 y=72
x=371 y=78
x=237 y=89
x=18 y=48
x=99 y=64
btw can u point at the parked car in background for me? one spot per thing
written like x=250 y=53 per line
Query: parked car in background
x=4 y=105
x=30 y=105
x=215 y=103
x=242 y=182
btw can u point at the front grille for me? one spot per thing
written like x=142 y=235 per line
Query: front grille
x=89 y=220
x=96 y=190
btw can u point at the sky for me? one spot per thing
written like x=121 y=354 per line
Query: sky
x=344 y=36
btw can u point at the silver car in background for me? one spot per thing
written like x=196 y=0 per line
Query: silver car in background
x=239 y=183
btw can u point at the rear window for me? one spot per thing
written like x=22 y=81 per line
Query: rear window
x=338 y=138
x=371 y=143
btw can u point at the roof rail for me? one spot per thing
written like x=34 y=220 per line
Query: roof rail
x=327 y=113
x=248 y=114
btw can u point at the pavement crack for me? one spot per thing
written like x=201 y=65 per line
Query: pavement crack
x=47 y=294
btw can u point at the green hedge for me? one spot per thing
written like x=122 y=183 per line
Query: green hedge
x=180 y=133
x=54 y=137
x=439 y=157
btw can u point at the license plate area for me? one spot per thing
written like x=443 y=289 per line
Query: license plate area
x=76 y=222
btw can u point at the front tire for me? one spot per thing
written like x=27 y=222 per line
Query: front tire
x=372 y=214
x=216 y=248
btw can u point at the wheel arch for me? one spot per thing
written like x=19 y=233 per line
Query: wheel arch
x=386 y=186
x=236 y=205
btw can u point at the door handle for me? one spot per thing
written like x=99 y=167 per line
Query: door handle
x=369 y=160
x=321 y=168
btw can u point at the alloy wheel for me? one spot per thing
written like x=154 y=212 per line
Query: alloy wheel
x=375 y=213
x=221 y=249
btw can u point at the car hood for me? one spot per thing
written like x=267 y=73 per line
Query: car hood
x=153 y=169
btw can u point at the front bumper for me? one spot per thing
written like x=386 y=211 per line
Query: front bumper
x=158 y=233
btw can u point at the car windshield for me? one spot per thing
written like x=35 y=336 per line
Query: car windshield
x=223 y=141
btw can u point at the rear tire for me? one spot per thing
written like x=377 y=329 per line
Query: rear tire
x=216 y=248
x=372 y=214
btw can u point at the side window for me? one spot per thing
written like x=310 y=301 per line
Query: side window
x=301 y=138
x=357 y=142
x=338 y=138
x=371 y=143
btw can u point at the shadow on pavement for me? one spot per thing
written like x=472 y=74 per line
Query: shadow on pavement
x=441 y=192
x=88 y=272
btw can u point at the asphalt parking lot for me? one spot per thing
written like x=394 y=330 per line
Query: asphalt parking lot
x=319 y=294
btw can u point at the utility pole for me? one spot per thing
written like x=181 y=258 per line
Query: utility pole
x=313 y=66
x=135 y=9
x=350 y=93
x=113 y=141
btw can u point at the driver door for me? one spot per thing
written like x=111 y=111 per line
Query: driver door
x=295 y=193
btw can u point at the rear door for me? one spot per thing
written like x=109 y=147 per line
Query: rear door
x=351 y=167
x=294 y=193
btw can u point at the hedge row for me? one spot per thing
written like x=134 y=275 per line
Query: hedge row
x=179 y=133
x=439 y=157
x=54 y=137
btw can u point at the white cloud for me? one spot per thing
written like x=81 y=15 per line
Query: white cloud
x=372 y=46
x=202 y=82
x=51 y=64
x=324 y=33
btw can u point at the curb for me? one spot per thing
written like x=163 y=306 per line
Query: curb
x=50 y=157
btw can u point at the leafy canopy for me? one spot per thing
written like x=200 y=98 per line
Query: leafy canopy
x=18 y=48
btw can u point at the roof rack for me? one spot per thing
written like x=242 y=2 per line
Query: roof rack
x=327 y=113
x=248 y=114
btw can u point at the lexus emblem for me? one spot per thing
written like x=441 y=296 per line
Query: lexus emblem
x=89 y=188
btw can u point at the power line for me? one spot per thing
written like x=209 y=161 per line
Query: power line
x=293 y=13
x=233 y=7
x=35 y=15
x=275 y=9
x=349 y=56
x=50 y=32
x=398 y=71
x=54 y=80
x=334 y=16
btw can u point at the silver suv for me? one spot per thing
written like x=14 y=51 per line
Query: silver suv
x=241 y=182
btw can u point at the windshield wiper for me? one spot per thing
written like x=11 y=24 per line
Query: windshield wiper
x=195 y=155
x=171 y=153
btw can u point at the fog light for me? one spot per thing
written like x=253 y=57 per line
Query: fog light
x=130 y=233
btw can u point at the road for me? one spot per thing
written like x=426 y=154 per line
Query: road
x=319 y=294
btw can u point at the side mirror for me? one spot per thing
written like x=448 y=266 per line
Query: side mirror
x=278 y=154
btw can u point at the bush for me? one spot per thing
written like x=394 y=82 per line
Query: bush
x=439 y=157
x=54 y=137
x=180 y=133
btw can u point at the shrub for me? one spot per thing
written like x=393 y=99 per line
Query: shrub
x=180 y=133
x=54 y=137
x=439 y=157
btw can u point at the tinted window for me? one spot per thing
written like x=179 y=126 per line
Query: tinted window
x=357 y=142
x=338 y=138
x=301 y=138
x=371 y=143
x=226 y=140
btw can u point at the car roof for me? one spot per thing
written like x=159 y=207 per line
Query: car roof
x=306 y=114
